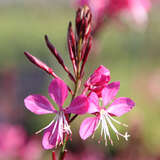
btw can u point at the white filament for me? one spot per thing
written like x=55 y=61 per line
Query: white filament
x=60 y=124
x=105 y=120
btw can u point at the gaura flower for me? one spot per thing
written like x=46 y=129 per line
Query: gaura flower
x=98 y=80
x=55 y=131
x=104 y=116
x=138 y=9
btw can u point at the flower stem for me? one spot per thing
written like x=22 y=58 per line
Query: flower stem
x=62 y=151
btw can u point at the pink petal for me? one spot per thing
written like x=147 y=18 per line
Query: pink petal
x=109 y=92
x=139 y=10
x=46 y=138
x=93 y=103
x=120 y=106
x=101 y=76
x=54 y=139
x=79 y=105
x=88 y=127
x=38 y=104
x=58 y=91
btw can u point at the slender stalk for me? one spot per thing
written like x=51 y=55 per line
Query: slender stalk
x=53 y=156
x=62 y=151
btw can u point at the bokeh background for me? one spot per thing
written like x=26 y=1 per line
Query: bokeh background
x=132 y=55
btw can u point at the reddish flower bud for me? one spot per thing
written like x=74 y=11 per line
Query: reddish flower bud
x=54 y=51
x=98 y=80
x=85 y=54
x=72 y=46
x=83 y=22
x=40 y=64
x=58 y=57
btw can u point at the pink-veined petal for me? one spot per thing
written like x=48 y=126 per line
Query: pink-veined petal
x=120 y=106
x=101 y=76
x=46 y=138
x=54 y=138
x=93 y=103
x=39 y=104
x=79 y=105
x=58 y=91
x=109 y=92
x=88 y=127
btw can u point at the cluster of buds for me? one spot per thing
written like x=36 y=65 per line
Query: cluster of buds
x=79 y=43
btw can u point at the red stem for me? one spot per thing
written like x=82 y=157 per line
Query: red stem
x=53 y=156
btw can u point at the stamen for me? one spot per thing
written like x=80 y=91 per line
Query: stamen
x=47 y=125
x=105 y=119
x=60 y=124
x=123 y=124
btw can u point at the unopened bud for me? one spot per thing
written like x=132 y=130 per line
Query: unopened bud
x=40 y=64
x=72 y=46
x=83 y=22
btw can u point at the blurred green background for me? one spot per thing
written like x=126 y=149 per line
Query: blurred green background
x=132 y=56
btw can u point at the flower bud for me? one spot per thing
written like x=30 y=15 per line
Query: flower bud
x=98 y=80
x=40 y=64
x=83 y=22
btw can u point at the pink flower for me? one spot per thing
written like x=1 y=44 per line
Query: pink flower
x=12 y=139
x=103 y=116
x=138 y=9
x=55 y=131
x=98 y=80
x=31 y=150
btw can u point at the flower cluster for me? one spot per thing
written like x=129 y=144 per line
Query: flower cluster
x=79 y=45
x=102 y=94
x=97 y=92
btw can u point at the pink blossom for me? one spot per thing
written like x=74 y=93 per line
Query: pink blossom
x=138 y=9
x=31 y=150
x=103 y=116
x=55 y=131
x=12 y=139
x=98 y=80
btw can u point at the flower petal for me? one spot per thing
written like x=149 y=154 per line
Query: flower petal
x=120 y=106
x=39 y=104
x=109 y=92
x=58 y=91
x=88 y=127
x=101 y=76
x=79 y=105
x=93 y=103
x=46 y=138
